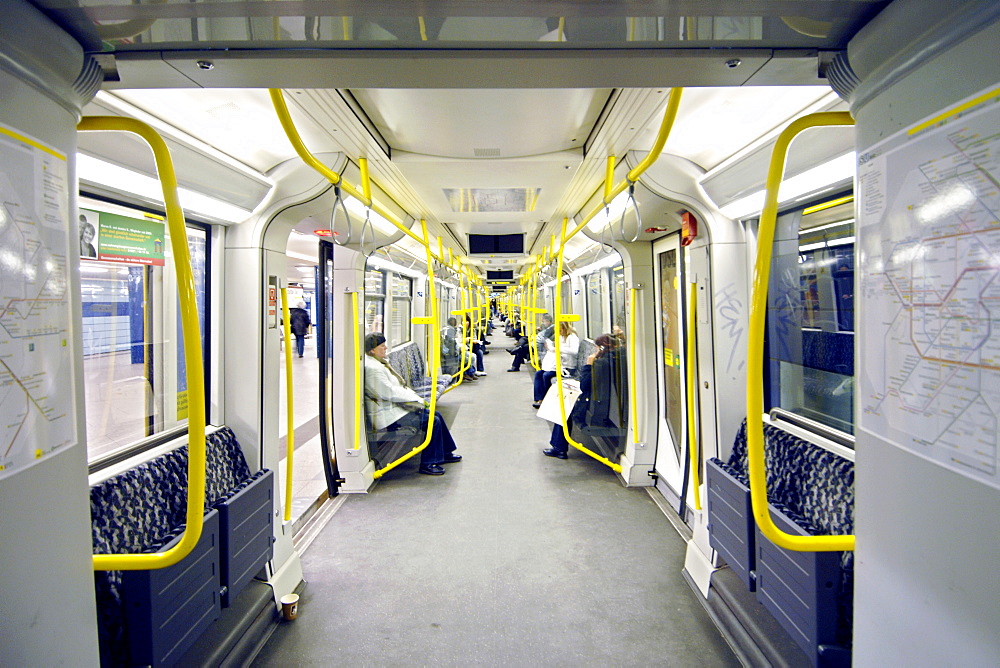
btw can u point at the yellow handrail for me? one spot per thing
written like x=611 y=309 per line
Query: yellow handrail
x=755 y=354
x=559 y=317
x=359 y=396
x=192 y=354
x=691 y=389
x=669 y=115
x=290 y=406
x=278 y=101
x=431 y=320
x=631 y=364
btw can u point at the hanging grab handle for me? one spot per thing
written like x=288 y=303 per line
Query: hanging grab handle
x=638 y=218
x=192 y=354
x=347 y=216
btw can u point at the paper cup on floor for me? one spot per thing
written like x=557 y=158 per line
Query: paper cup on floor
x=290 y=606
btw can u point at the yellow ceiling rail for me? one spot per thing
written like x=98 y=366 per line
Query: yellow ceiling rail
x=609 y=179
x=192 y=353
x=691 y=389
x=278 y=101
x=755 y=353
x=289 y=405
x=366 y=183
x=569 y=317
x=669 y=116
x=435 y=359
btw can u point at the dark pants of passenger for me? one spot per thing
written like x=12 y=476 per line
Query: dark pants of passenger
x=558 y=440
x=543 y=379
x=441 y=441
x=519 y=357
x=477 y=350
x=300 y=343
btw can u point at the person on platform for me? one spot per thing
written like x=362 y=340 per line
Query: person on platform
x=298 y=318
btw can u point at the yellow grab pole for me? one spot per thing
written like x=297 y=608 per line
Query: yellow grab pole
x=366 y=184
x=755 y=343
x=631 y=362
x=609 y=179
x=435 y=360
x=359 y=396
x=192 y=354
x=559 y=317
x=289 y=406
x=691 y=389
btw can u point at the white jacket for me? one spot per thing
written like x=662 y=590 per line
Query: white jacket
x=384 y=393
x=569 y=346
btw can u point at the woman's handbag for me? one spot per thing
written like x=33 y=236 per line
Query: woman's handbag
x=549 y=410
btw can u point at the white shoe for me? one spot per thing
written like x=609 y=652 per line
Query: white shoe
x=480 y=373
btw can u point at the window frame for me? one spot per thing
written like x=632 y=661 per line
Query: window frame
x=156 y=440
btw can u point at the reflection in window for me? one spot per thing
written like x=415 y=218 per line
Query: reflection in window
x=811 y=317
x=135 y=380
x=374 y=301
x=402 y=293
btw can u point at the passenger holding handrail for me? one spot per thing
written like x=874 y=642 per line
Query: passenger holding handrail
x=569 y=345
x=391 y=405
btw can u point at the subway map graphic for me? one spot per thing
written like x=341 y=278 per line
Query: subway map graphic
x=929 y=237
x=36 y=378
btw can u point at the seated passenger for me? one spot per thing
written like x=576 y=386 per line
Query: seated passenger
x=605 y=358
x=520 y=353
x=390 y=403
x=569 y=344
x=453 y=352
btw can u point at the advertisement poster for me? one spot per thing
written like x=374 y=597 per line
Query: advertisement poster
x=114 y=238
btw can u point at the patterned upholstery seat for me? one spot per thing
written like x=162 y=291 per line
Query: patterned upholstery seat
x=812 y=487
x=408 y=362
x=143 y=509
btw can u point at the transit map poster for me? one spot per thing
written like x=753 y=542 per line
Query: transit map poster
x=929 y=242
x=37 y=393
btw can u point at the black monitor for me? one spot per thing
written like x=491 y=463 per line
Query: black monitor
x=489 y=244
x=507 y=275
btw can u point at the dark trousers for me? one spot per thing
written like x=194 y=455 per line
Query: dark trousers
x=558 y=440
x=543 y=379
x=300 y=343
x=441 y=441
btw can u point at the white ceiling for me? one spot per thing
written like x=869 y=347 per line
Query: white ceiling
x=536 y=137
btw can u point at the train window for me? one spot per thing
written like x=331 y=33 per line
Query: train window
x=374 y=300
x=402 y=296
x=135 y=381
x=597 y=296
x=811 y=316
x=618 y=296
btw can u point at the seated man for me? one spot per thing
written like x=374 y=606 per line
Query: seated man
x=390 y=402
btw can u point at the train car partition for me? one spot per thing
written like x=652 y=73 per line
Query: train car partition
x=810 y=492
x=152 y=617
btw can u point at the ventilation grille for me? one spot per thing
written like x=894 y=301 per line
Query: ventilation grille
x=88 y=82
x=841 y=76
x=486 y=152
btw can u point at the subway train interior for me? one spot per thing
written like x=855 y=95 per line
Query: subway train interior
x=500 y=333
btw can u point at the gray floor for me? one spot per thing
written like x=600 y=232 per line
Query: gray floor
x=511 y=559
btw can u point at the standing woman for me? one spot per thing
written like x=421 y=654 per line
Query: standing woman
x=569 y=345
x=391 y=404
x=298 y=319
